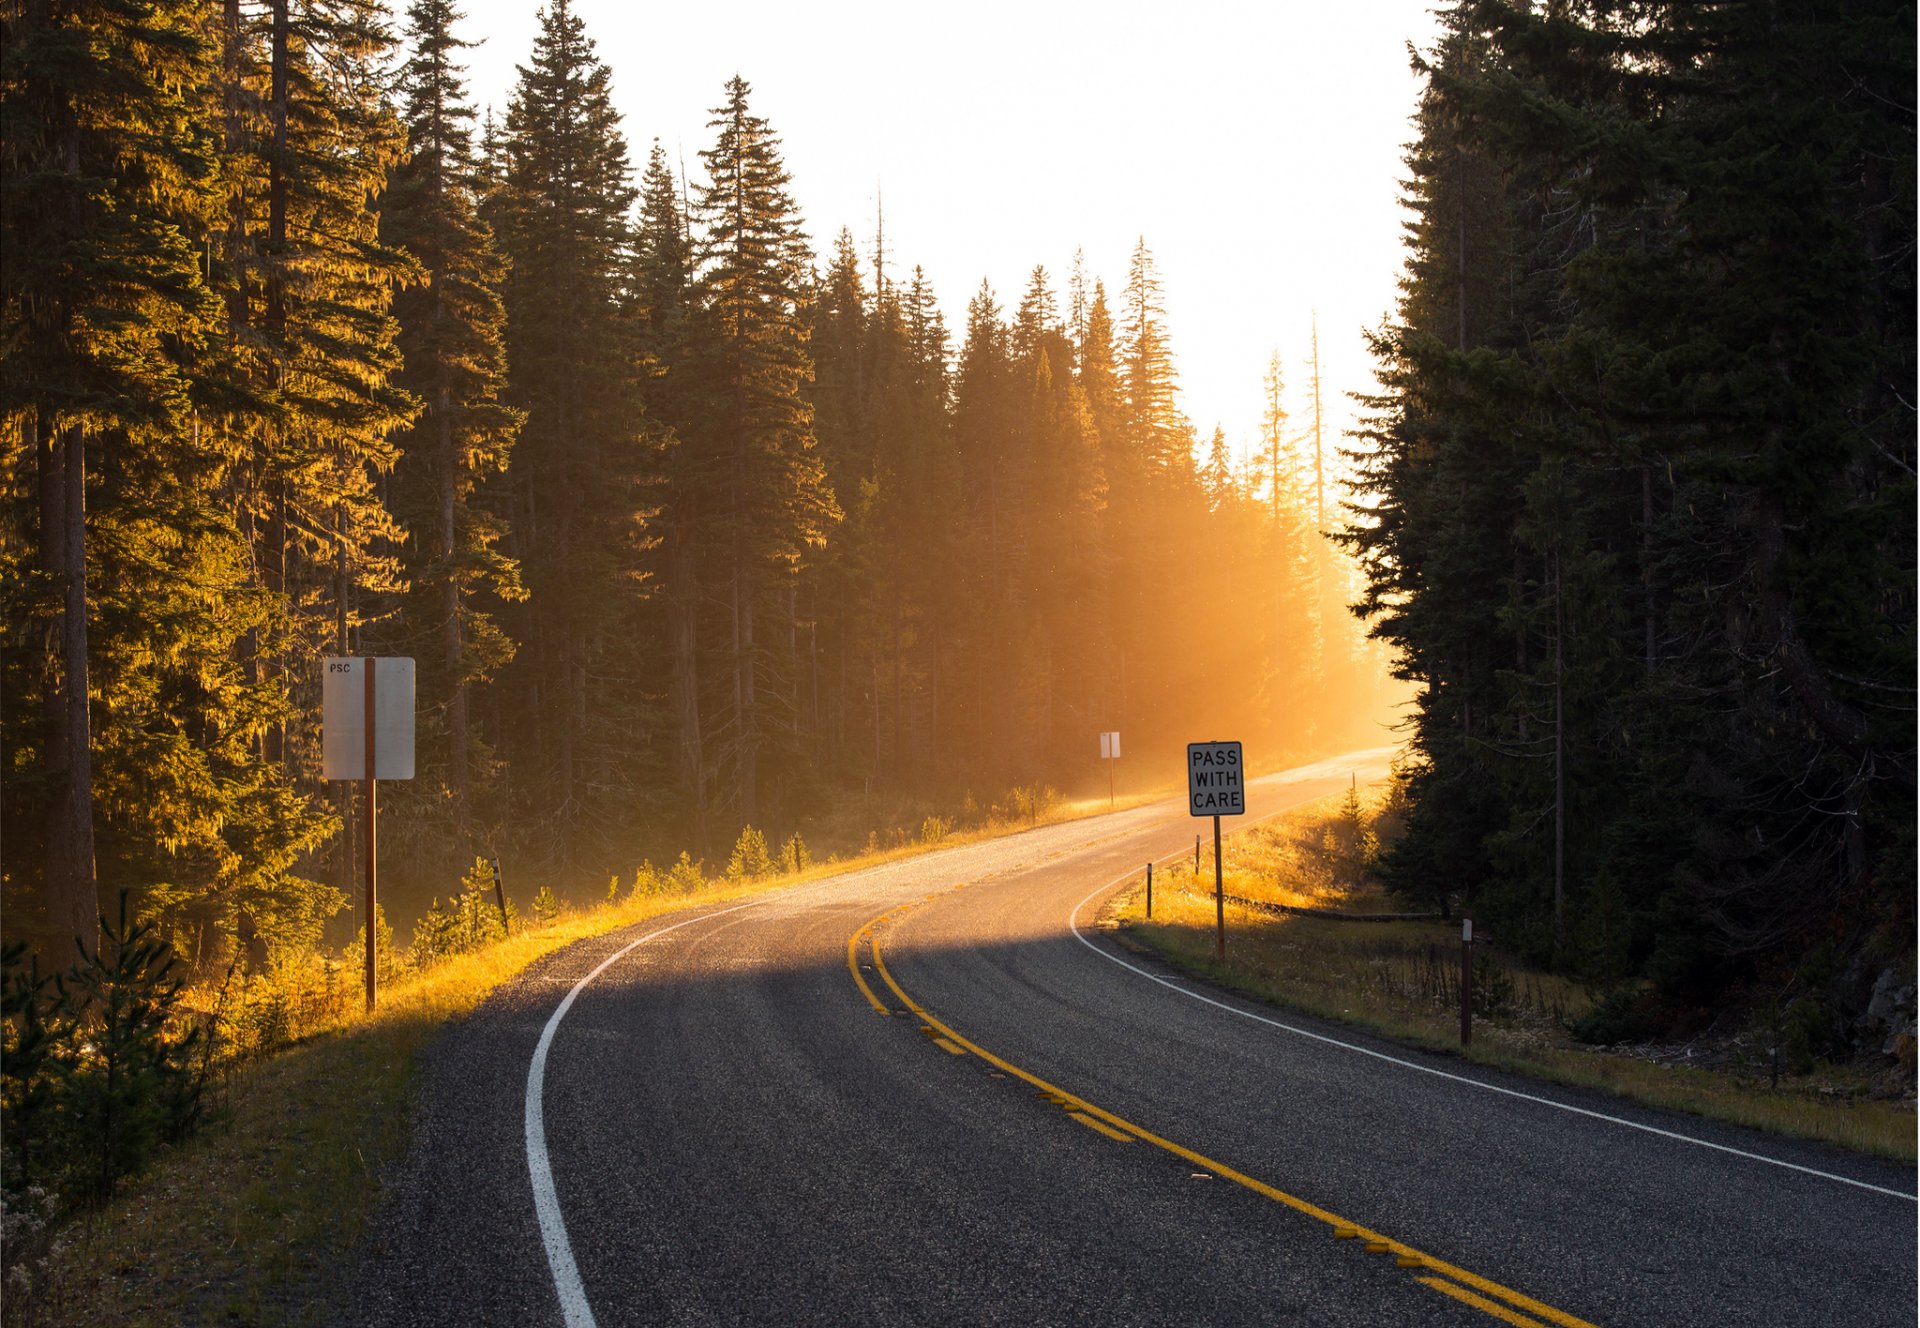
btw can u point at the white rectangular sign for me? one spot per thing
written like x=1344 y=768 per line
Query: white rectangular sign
x=1110 y=746
x=1216 y=779
x=343 y=697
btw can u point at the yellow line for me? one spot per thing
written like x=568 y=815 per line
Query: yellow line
x=1101 y=1126
x=948 y=1047
x=1220 y=1169
x=853 y=967
x=1485 y=1306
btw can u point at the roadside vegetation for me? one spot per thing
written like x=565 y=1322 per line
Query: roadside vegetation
x=1759 y=1064
x=238 y=1154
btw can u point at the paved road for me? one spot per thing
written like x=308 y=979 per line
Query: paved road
x=720 y=1127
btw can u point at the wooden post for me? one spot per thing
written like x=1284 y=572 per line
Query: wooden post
x=1466 y=980
x=1149 y=889
x=372 y=855
x=1219 y=898
x=500 y=897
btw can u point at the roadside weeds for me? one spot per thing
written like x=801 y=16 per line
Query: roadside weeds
x=1379 y=977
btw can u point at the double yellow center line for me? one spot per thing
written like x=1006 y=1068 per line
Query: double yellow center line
x=1484 y=1294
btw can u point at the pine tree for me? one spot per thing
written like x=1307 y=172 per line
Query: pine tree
x=1159 y=432
x=111 y=167
x=1632 y=401
x=452 y=332
x=770 y=502
x=580 y=479
x=661 y=304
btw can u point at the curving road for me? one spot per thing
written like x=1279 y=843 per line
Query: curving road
x=932 y=1092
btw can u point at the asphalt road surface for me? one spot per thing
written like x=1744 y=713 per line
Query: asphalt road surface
x=707 y=1119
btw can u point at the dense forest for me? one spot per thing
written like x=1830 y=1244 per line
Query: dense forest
x=1638 y=505
x=688 y=524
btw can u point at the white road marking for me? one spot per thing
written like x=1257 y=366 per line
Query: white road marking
x=1073 y=922
x=574 y=1306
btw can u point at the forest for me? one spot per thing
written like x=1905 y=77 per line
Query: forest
x=1637 y=509
x=690 y=522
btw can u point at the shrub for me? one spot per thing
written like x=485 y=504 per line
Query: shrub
x=934 y=829
x=750 y=859
x=99 y=1067
x=793 y=854
x=437 y=936
x=685 y=876
x=546 y=909
x=386 y=963
x=647 y=881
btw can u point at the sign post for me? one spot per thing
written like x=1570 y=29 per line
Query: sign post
x=1110 y=752
x=1216 y=787
x=367 y=734
x=1466 y=980
x=371 y=705
x=500 y=895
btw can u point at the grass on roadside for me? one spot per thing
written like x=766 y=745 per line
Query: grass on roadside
x=244 y=1222
x=1400 y=979
x=238 y=1223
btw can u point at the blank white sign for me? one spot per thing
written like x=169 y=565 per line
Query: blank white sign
x=343 y=697
x=1110 y=746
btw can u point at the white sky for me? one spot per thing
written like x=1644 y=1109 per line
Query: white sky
x=1257 y=147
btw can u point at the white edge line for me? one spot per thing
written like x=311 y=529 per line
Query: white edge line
x=1073 y=922
x=574 y=1307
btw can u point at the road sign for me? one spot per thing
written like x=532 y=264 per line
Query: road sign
x=1110 y=746
x=366 y=733
x=343 y=695
x=1216 y=779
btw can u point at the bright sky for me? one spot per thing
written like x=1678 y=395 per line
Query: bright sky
x=1257 y=147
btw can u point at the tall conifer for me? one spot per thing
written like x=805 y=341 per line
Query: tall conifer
x=452 y=333
x=771 y=502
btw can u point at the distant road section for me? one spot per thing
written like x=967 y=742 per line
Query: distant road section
x=921 y=1094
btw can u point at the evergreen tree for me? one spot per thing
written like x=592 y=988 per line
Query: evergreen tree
x=580 y=479
x=122 y=550
x=1634 y=401
x=770 y=502
x=452 y=333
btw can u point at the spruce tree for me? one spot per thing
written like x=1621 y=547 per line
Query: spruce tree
x=451 y=337
x=771 y=504
x=581 y=475
x=109 y=187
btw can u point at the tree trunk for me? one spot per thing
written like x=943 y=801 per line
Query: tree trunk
x=683 y=643
x=72 y=893
x=452 y=629
x=1559 y=768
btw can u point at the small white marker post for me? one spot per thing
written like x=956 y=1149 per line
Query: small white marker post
x=1110 y=752
x=367 y=734
x=1216 y=787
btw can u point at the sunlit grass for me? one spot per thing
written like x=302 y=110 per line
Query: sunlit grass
x=253 y=1220
x=1395 y=978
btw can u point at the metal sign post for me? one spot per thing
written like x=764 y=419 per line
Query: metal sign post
x=367 y=735
x=373 y=856
x=1216 y=787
